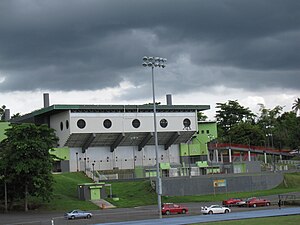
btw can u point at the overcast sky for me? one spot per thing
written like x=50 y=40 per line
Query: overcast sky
x=90 y=52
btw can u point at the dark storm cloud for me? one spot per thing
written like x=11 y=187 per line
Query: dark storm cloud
x=87 y=45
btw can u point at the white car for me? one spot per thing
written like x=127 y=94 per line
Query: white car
x=78 y=214
x=214 y=209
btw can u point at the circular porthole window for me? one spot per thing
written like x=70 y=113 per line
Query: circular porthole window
x=136 y=123
x=107 y=123
x=61 y=126
x=163 y=123
x=81 y=123
x=186 y=122
x=67 y=124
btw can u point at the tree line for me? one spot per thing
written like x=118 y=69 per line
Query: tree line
x=270 y=127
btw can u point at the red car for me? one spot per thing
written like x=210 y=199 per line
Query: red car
x=231 y=201
x=170 y=208
x=254 y=202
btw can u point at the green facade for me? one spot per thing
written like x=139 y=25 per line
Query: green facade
x=95 y=192
x=61 y=153
x=203 y=164
x=164 y=166
x=3 y=127
x=207 y=131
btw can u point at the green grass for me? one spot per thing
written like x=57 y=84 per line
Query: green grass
x=278 y=220
x=135 y=193
x=65 y=193
x=138 y=193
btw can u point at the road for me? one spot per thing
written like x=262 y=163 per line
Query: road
x=106 y=216
x=214 y=218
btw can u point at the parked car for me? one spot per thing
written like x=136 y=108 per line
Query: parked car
x=78 y=214
x=231 y=201
x=171 y=208
x=254 y=202
x=243 y=203
x=214 y=209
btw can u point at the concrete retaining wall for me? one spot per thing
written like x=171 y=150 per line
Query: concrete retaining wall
x=181 y=186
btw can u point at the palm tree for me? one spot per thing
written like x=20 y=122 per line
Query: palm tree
x=296 y=105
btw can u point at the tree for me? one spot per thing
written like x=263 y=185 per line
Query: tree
x=268 y=122
x=246 y=133
x=17 y=115
x=230 y=114
x=269 y=116
x=201 y=116
x=296 y=106
x=287 y=131
x=26 y=162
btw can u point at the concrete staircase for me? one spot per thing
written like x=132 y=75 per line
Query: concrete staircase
x=103 y=204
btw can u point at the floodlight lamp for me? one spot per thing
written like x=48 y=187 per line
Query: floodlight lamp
x=157 y=59
x=150 y=64
x=156 y=64
x=145 y=58
x=163 y=65
x=145 y=64
x=164 y=60
x=150 y=59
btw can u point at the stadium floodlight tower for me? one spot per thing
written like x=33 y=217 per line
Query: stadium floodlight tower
x=155 y=62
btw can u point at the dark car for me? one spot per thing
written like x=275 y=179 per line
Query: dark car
x=171 y=208
x=231 y=201
x=254 y=202
x=78 y=214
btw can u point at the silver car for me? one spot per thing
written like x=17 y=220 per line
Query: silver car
x=78 y=214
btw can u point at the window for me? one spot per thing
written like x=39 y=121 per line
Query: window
x=107 y=123
x=67 y=124
x=186 y=123
x=202 y=131
x=163 y=123
x=81 y=123
x=61 y=126
x=136 y=123
x=207 y=131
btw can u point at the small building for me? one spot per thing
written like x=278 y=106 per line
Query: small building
x=92 y=191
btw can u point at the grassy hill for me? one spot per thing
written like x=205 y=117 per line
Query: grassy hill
x=65 y=193
x=291 y=181
x=137 y=193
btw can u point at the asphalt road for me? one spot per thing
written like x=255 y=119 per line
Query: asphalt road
x=214 y=218
x=107 y=215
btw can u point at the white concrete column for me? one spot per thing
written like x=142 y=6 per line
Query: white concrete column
x=216 y=155
x=222 y=160
x=229 y=153
x=208 y=156
x=249 y=155
x=265 y=154
x=280 y=157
